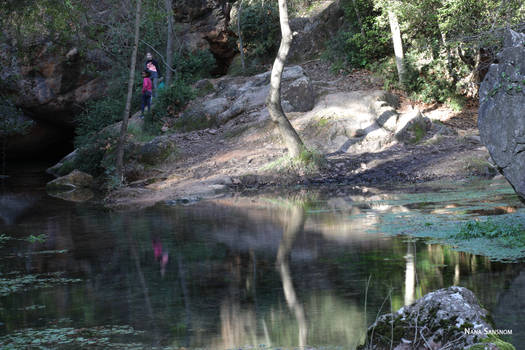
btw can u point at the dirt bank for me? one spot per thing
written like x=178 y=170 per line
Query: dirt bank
x=246 y=154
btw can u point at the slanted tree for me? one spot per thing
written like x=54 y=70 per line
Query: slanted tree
x=239 y=34
x=398 y=44
x=291 y=139
x=169 y=41
x=125 y=117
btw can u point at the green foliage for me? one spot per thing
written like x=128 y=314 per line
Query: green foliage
x=139 y=134
x=91 y=153
x=4 y=238
x=20 y=283
x=52 y=20
x=494 y=339
x=350 y=47
x=101 y=337
x=37 y=238
x=11 y=122
x=97 y=115
x=168 y=104
x=260 y=30
x=193 y=66
x=510 y=234
x=442 y=40
x=308 y=161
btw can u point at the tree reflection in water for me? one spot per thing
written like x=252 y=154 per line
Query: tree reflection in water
x=294 y=224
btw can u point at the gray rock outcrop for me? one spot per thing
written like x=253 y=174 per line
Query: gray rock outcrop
x=233 y=96
x=501 y=120
x=360 y=121
x=449 y=318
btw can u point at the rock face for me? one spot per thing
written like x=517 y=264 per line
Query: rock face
x=501 y=120
x=234 y=96
x=448 y=318
x=48 y=83
x=312 y=31
x=204 y=24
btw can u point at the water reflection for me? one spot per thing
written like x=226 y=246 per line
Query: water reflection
x=287 y=271
x=294 y=225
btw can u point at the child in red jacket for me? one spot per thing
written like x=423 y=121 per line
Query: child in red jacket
x=146 y=92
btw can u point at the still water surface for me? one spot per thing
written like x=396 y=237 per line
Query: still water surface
x=305 y=269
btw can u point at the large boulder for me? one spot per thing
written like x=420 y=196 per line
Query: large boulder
x=232 y=96
x=449 y=318
x=74 y=180
x=501 y=120
x=353 y=122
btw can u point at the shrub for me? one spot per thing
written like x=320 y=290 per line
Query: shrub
x=191 y=67
x=260 y=31
x=351 y=46
x=168 y=103
x=11 y=122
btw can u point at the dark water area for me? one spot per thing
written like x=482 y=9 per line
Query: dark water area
x=239 y=272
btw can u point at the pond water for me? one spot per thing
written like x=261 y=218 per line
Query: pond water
x=303 y=269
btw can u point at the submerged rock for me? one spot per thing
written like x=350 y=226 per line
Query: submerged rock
x=75 y=179
x=449 y=318
x=501 y=120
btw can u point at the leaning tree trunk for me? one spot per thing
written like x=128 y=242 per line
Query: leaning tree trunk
x=398 y=45
x=291 y=139
x=169 y=44
x=124 y=127
x=359 y=19
x=241 y=48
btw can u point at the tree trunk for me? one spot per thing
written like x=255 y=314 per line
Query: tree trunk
x=124 y=127
x=359 y=19
x=398 y=45
x=169 y=44
x=291 y=139
x=241 y=48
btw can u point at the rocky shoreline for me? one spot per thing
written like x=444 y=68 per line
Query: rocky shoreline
x=360 y=135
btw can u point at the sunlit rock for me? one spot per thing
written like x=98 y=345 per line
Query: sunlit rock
x=233 y=96
x=357 y=121
x=449 y=318
x=75 y=179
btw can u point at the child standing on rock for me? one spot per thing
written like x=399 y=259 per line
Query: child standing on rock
x=146 y=92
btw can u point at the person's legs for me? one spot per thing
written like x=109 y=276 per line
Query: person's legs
x=143 y=103
x=154 y=81
x=148 y=101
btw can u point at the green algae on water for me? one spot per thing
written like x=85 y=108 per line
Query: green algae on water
x=20 y=283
